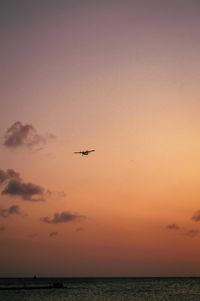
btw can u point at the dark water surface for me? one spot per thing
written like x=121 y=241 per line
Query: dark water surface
x=101 y=289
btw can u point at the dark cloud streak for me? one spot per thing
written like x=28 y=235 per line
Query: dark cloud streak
x=196 y=216
x=173 y=227
x=12 y=210
x=62 y=217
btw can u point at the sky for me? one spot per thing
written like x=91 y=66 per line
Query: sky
x=120 y=77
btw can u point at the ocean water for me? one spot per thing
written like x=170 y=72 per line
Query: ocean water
x=104 y=289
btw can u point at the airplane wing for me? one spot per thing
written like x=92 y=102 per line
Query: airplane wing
x=92 y=150
x=77 y=152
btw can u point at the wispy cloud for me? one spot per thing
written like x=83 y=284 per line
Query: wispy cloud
x=173 y=227
x=12 y=210
x=62 y=217
x=18 y=135
x=196 y=216
x=7 y=175
x=192 y=233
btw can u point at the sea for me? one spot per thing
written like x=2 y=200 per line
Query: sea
x=100 y=289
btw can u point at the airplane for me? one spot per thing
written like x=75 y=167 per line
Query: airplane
x=85 y=153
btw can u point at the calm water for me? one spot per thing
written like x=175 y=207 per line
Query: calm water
x=101 y=289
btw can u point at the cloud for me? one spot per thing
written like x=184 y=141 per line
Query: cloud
x=27 y=191
x=6 y=212
x=173 y=227
x=24 y=135
x=192 y=233
x=2 y=228
x=196 y=216
x=52 y=234
x=62 y=217
x=56 y=194
x=13 y=185
x=7 y=175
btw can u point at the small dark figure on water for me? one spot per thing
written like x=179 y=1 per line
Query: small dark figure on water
x=58 y=285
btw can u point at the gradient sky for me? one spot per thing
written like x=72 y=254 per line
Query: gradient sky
x=120 y=77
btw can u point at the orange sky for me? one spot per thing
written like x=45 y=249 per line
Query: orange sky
x=120 y=77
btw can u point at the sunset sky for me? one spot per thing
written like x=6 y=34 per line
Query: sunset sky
x=121 y=77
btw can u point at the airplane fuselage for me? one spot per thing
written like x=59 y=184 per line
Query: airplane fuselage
x=85 y=153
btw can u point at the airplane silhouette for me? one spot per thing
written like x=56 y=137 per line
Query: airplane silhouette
x=85 y=153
